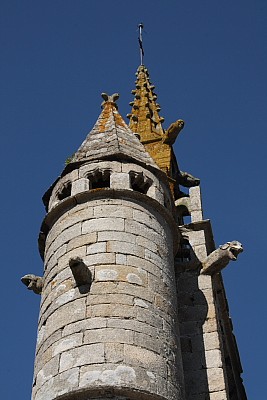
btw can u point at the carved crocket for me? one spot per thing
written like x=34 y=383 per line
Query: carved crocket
x=33 y=282
x=218 y=259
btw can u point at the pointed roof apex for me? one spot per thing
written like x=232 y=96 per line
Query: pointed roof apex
x=111 y=138
x=144 y=117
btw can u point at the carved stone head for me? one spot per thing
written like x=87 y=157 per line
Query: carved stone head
x=33 y=282
x=233 y=249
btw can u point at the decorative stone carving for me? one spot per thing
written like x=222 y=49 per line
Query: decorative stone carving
x=33 y=282
x=110 y=99
x=80 y=271
x=173 y=131
x=219 y=258
x=187 y=180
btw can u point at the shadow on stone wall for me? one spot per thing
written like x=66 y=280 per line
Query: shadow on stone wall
x=192 y=312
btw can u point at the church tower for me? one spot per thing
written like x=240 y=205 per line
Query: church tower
x=132 y=299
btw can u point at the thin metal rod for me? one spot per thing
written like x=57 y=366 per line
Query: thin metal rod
x=140 y=40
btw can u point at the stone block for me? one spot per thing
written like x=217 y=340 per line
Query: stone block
x=121 y=259
x=221 y=395
x=109 y=335
x=144 y=264
x=100 y=247
x=49 y=370
x=156 y=194
x=116 y=235
x=151 y=318
x=148 y=244
x=82 y=241
x=79 y=186
x=83 y=325
x=86 y=354
x=211 y=340
x=120 y=180
x=137 y=356
x=114 y=352
x=205 y=282
x=201 y=252
x=136 y=290
x=102 y=258
x=64 y=237
x=121 y=273
x=112 y=211
x=107 y=375
x=43 y=345
x=66 y=314
x=148 y=342
x=213 y=358
x=216 y=379
x=51 y=258
x=112 y=310
x=110 y=298
x=114 y=246
x=131 y=324
x=210 y=325
x=103 y=224
x=66 y=343
x=58 y=385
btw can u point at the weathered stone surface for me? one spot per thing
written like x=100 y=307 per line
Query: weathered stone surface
x=82 y=240
x=79 y=356
x=67 y=343
x=103 y=224
x=58 y=385
x=109 y=335
x=83 y=325
x=120 y=180
x=75 y=311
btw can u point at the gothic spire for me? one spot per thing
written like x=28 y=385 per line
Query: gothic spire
x=144 y=118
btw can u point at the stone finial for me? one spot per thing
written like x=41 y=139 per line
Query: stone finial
x=219 y=258
x=33 y=282
x=80 y=271
x=110 y=99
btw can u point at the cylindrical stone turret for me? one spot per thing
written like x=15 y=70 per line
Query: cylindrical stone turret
x=108 y=321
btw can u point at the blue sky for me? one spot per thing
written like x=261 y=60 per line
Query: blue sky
x=208 y=61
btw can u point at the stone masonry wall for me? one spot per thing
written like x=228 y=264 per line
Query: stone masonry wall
x=123 y=332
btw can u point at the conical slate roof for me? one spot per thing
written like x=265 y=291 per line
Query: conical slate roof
x=111 y=137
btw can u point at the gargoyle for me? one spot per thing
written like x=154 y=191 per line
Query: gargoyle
x=218 y=259
x=33 y=282
x=80 y=271
x=187 y=180
x=173 y=131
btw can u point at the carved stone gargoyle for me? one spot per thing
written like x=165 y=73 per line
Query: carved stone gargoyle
x=33 y=282
x=80 y=271
x=218 y=259
x=173 y=131
x=187 y=180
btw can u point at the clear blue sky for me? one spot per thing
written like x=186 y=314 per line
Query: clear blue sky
x=208 y=60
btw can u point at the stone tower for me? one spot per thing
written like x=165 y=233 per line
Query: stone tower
x=132 y=299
